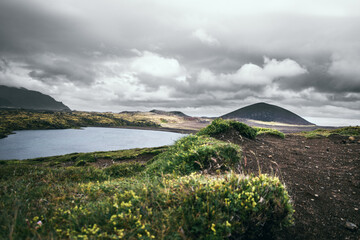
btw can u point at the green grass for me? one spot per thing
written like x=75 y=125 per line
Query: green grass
x=171 y=197
x=260 y=130
x=345 y=131
x=168 y=207
x=196 y=153
x=220 y=126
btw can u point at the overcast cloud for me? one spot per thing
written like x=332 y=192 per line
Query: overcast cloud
x=201 y=57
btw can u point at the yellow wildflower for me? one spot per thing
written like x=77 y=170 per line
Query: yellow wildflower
x=213 y=228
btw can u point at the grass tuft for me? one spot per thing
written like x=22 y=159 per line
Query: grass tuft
x=274 y=132
x=196 y=153
x=221 y=126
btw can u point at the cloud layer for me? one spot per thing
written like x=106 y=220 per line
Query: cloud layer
x=203 y=57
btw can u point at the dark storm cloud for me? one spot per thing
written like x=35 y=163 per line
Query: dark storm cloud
x=321 y=80
x=53 y=70
x=193 y=103
x=344 y=98
x=183 y=53
x=28 y=28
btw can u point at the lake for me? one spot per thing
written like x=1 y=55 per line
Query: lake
x=43 y=143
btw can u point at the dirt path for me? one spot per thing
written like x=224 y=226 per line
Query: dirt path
x=322 y=177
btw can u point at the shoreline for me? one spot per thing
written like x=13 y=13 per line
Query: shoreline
x=163 y=129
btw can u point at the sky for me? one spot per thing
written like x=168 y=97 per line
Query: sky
x=203 y=57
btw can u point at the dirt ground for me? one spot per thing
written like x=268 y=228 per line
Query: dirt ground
x=322 y=177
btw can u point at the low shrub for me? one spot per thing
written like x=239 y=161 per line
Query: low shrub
x=196 y=153
x=189 y=207
x=260 y=130
x=232 y=206
x=220 y=126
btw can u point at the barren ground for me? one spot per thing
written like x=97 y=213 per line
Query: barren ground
x=322 y=177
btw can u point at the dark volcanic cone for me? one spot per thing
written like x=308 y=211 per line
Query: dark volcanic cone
x=268 y=113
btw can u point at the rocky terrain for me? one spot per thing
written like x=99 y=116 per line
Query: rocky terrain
x=322 y=176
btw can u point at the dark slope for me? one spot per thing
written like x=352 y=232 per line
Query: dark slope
x=176 y=113
x=11 y=97
x=268 y=113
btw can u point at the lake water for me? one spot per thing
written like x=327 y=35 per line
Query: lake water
x=43 y=143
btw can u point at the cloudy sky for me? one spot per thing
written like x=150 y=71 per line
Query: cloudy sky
x=204 y=57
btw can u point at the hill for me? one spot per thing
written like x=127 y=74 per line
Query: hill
x=169 y=113
x=11 y=97
x=268 y=113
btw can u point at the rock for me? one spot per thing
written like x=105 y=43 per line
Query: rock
x=350 y=226
x=307 y=147
x=351 y=138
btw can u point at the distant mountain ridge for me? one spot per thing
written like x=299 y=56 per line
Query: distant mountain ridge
x=11 y=97
x=169 y=113
x=267 y=113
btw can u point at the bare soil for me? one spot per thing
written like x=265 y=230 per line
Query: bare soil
x=322 y=177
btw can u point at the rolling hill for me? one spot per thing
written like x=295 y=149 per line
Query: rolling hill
x=22 y=98
x=169 y=113
x=267 y=113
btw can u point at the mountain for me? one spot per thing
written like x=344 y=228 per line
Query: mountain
x=176 y=113
x=268 y=113
x=11 y=97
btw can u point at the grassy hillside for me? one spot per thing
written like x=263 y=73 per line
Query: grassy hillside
x=191 y=190
x=12 y=97
x=11 y=120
